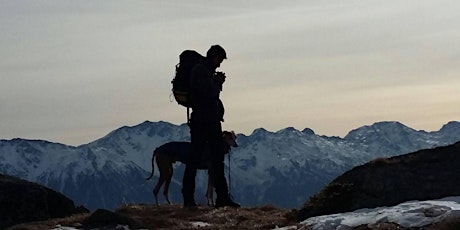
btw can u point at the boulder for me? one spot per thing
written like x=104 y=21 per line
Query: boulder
x=422 y=175
x=23 y=201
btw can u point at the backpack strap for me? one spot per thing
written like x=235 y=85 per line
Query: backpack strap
x=188 y=116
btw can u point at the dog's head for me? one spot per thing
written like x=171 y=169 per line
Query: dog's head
x=230 y=138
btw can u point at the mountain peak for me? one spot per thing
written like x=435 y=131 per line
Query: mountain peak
x=308 y=131
x=388 y=124
x=451 y=125
x=376 y=129
x=259 y=131
x=288 y=130
x=451 y=129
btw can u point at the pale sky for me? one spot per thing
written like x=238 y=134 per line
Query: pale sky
x=72 y=71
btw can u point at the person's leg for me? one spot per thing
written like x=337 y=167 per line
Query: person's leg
x=188 y=182
x=218 y=168
x=188 y=186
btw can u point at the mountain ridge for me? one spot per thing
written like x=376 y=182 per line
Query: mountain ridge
x=282 y=168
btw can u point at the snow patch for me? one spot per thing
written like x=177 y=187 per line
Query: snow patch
x=200 y=224
x=412 y=214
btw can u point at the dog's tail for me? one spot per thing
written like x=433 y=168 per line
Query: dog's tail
x=153 y=164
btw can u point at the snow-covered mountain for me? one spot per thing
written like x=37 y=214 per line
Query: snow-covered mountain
x=282 y=168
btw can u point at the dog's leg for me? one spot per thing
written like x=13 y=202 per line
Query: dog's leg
x=165 y=166
x=210 y=193
x=210 y=189
x=157 y=188
x=162 y=162
x=168 y=182
x=160 y=180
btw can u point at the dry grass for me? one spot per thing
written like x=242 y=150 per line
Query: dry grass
x=73 y=221
x=175 y=217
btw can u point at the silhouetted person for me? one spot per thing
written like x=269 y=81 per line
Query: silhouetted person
x=206 y=128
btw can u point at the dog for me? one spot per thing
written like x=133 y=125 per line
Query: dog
x=171 y=152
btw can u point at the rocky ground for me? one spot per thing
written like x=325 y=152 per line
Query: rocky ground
x=142 y=216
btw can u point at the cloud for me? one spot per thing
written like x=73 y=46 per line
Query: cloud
x=71 y=66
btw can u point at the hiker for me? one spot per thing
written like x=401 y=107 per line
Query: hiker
x=205 y=127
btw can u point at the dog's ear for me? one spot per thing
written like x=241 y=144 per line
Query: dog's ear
x=233 y=134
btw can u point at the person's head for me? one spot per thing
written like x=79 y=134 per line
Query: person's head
x=216 y=54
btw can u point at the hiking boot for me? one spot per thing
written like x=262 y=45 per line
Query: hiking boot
x=227 y=202
x=189 y=204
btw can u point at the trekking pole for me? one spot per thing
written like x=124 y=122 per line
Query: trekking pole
x=229 y=181
x=188 y=116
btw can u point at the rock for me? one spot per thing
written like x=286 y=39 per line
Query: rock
x=422 y=175
x=104 y=218
x=22 y=201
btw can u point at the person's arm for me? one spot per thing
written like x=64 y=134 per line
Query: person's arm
x=203 y=84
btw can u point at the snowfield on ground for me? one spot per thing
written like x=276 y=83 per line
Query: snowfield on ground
x=408 y=215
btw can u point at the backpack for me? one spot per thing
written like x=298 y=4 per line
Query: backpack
x=181 y=82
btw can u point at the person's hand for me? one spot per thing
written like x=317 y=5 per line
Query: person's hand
x=220 y=76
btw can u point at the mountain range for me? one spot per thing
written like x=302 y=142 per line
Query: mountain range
x=282 y=168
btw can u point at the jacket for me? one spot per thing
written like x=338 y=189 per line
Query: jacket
x=205 y=92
